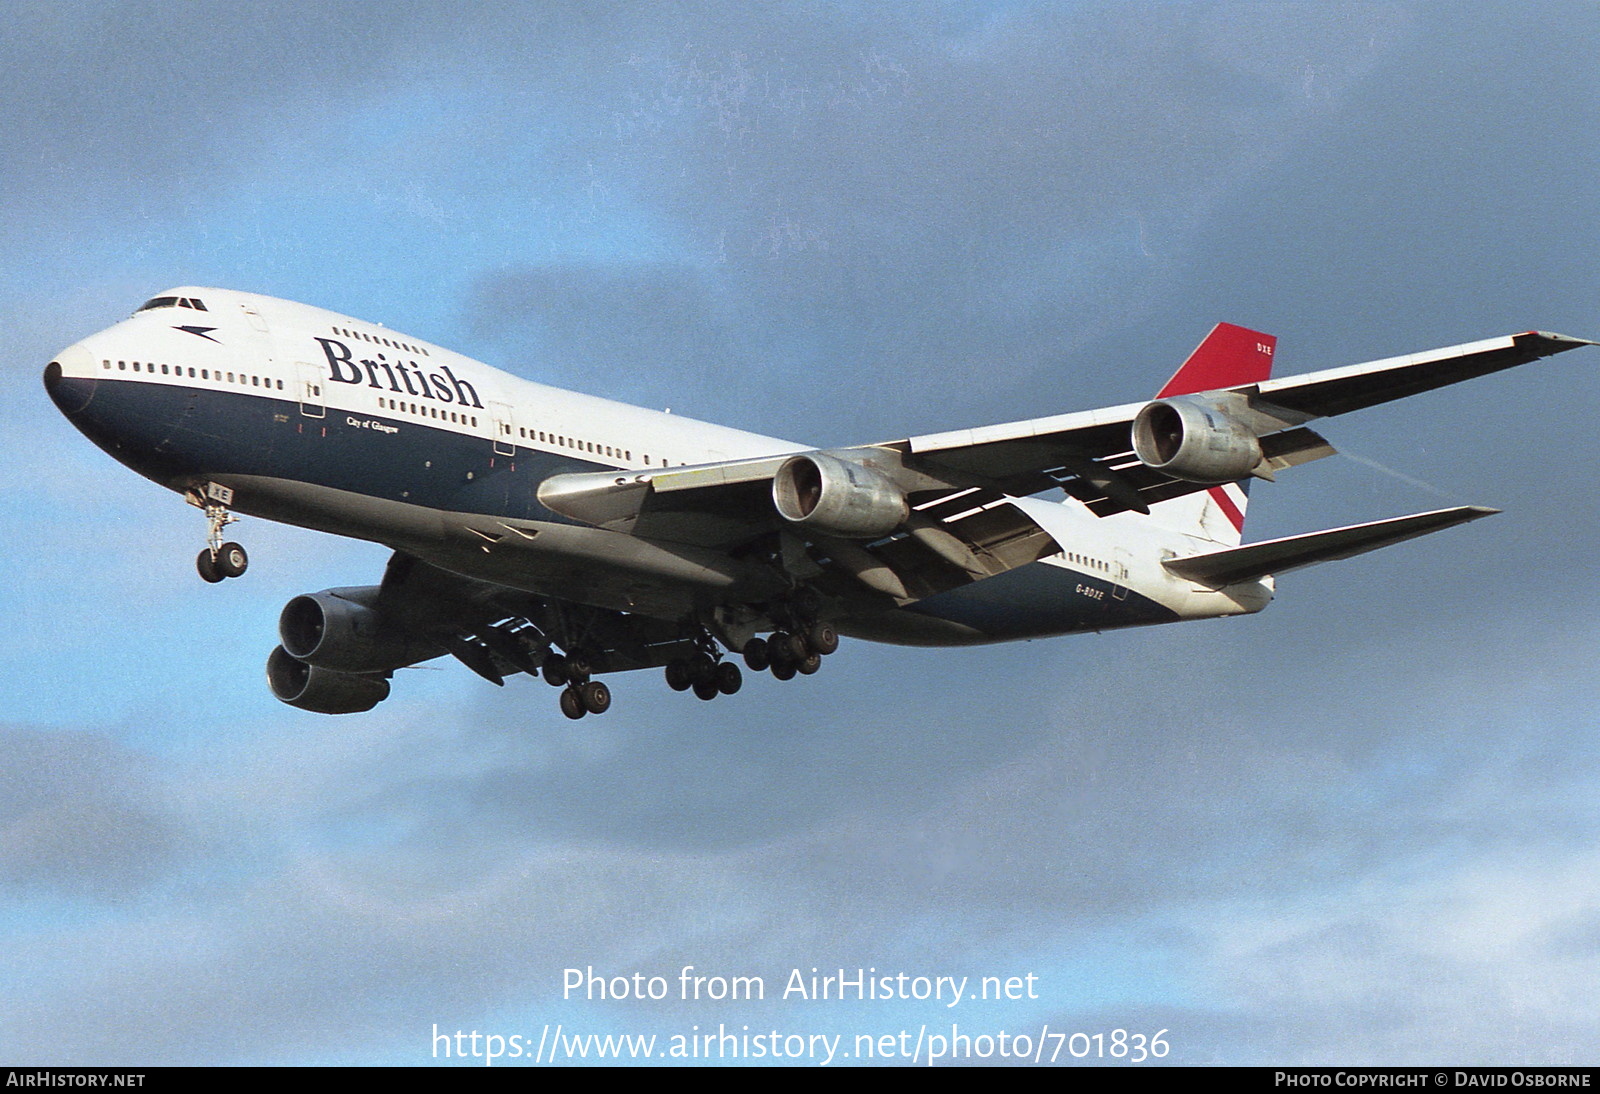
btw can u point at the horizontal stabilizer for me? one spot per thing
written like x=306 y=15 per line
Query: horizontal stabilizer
x=1275 y=556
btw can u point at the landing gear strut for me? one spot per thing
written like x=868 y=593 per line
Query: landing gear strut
x=220 y=560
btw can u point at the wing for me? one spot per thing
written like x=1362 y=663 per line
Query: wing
x=955 y=533
x=1090 y=455
x=962 y=525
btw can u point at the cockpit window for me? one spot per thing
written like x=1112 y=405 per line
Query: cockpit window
x=172 y=302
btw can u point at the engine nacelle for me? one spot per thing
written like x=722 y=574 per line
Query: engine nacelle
x=837 y=497
x=320 y=690
x=333 y=632
x=1195 y=440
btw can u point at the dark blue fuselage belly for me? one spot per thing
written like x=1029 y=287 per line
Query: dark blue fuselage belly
x=170 y=434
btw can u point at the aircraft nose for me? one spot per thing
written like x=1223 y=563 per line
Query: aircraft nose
x=70 y=379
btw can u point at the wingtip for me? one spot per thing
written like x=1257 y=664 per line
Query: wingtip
x=1559 y=342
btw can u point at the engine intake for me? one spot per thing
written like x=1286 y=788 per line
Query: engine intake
x=330 y=631
x=837 y=497
x=1193 y=439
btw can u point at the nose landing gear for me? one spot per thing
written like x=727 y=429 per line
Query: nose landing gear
x=219 y=560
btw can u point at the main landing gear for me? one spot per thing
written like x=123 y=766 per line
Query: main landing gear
x=704 y=671
x=796 y=648
x=790 y=653
x=786 y=654
x=220 y=560
x=706 y=674
x=579 y=694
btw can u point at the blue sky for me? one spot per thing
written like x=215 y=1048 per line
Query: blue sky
x=1359 y=827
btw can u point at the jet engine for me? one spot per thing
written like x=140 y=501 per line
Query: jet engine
x=333 y=630
x=321 y=690
x=337 y=652
x=835 y=497
x=1195 y=440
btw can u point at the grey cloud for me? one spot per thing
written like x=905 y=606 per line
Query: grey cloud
x=73 y=818
x=627 y=332
x=1007 y=193
x=499 y=849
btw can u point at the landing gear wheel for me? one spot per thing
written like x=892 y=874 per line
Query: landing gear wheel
x=207 y=566
x=822 y=639
x=706 y=689
x=783 y=670
x=678 y=676
x=596 y=697
x=572 y=704
x=231 y=560
x=756 y=655
x=729 y=678
x=702 y=669
x=784 y=648
x=578 y=667
x=555 y=670
x=809 y=664
x=795 y=648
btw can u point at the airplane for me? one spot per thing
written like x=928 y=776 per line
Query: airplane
x=561 y=535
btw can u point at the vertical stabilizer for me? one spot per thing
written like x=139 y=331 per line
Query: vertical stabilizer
x=1229 y=357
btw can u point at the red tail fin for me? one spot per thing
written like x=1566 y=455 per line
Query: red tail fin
x=1230 y=356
